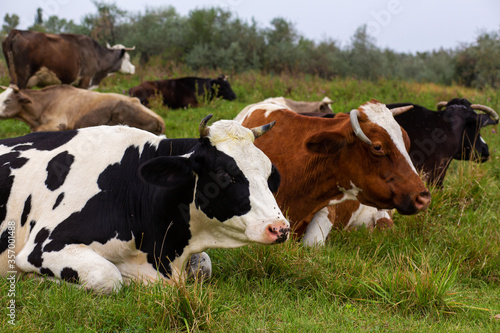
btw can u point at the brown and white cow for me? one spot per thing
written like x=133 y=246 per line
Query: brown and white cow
x=58 y=108
x=302 y=107
x=361 y=156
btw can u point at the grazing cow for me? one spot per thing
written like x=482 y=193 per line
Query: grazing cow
x=184 y=92
x=58 y=108
x=107 y=204
x=72 y=59
x=322 y=161
x=438 y=137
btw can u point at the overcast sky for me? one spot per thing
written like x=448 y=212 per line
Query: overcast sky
x=400 y=25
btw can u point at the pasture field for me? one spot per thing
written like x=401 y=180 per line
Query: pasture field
x=438 y=271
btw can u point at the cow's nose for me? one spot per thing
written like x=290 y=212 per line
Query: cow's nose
x=278 y=232
x=422 y=200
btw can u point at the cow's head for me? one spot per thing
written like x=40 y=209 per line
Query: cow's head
x=12 y=101
x=378 y=168
x=223 y=88
x=325 y=106
x=126 y=66
x=465 y=121
x=233 y=182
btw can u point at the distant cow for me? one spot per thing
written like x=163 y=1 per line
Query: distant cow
x=361 y=156
x=58 y=108
x=72 y=59
x=437 y=137
x=107 y=204
x=184 y=92
x=308 y=108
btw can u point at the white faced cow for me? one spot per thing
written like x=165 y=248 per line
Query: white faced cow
x=103 y=205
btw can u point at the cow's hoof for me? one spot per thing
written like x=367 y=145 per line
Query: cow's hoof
x=200 y=266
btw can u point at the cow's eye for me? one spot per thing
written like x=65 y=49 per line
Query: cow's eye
x=377 y=148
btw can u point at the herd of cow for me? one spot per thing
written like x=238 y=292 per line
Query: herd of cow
x=101 y=205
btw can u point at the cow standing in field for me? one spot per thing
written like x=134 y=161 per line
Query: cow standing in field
x=59 y=108
x=361 y=156
x=439 y=136
x=70 y=59
x=107 y=204
x=184 y=92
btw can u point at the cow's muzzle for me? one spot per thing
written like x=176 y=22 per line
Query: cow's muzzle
x=415 y=204
x=277 y=232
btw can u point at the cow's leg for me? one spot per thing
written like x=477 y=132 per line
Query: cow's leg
x=318 y=229
x=74 y=263
x=200 y=266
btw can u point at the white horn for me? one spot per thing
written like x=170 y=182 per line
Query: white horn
x=401 y=109
x=357 y=129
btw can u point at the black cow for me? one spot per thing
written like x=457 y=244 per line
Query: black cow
x=35 y=57
x=437 y=137
x=102 y=205
x=184 y=92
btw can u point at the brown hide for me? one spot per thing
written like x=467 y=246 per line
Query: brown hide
x=74 y=59
x=318 y=158
x=65 y=107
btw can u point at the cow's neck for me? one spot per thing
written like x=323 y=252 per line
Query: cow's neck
x=314 y=166
x=319 y=196
x=106 y=64
x=32 y=112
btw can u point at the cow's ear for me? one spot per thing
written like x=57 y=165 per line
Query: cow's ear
x=167 y=171
x=485 y=120
x=23 y=99
x=325 y=143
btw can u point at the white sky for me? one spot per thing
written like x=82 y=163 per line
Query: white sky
x=400 y=25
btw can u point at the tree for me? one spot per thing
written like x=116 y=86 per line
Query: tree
x=10 y=22
x=103 y=25
x=38 y=24
x=363 y=58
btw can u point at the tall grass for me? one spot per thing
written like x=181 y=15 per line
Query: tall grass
x=437 y=271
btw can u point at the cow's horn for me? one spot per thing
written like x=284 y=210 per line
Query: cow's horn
x=4 y=87
x=357 y=129
x=261 y=130
x=14 y=87
x=441 y=105
x=107 y=45
x=401 y=109
x=129 y=48
x=204 y=130
x=489 y=111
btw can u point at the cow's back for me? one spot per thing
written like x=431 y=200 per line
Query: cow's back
x=40 y=171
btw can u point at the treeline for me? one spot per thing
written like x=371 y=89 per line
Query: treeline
x=214 y=38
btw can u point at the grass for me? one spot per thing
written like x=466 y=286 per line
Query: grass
x=437 y=271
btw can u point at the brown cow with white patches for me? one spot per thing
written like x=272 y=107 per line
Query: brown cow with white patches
x=58 y=108
x=361 y=156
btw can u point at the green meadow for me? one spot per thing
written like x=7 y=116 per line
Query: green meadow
x=438 y=271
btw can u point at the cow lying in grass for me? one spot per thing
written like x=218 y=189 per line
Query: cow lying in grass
x=64 y=107
x=184 y=92
x=103 y=205
x=323 y=161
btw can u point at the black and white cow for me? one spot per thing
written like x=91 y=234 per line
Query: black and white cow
x=109 y=204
